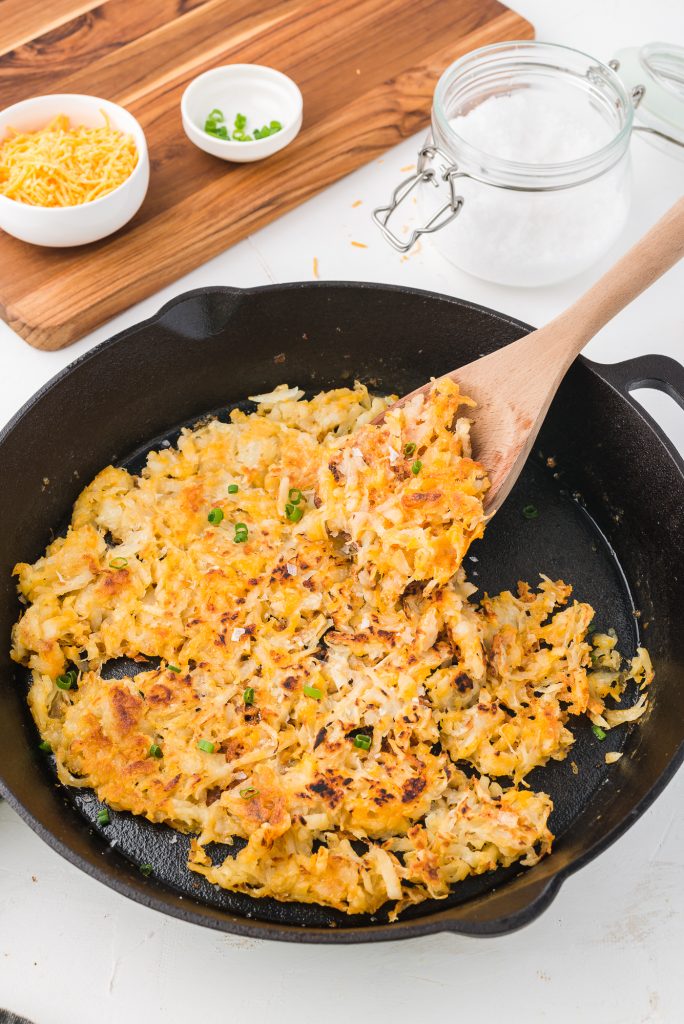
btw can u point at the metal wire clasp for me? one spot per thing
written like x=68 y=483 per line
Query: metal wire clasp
x=424 y=174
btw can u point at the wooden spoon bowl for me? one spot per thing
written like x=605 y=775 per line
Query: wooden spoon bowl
x=514 y=386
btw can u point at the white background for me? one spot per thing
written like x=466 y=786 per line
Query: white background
x=610 y=947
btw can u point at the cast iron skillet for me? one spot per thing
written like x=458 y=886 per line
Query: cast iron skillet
x=611 y=521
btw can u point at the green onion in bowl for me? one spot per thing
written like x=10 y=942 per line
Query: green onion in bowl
x=215 y=124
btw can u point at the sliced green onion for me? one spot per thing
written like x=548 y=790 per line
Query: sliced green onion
x=409 y=449
x=155 y=751
x=530 y=511
x=103 y=817
x=248 y=792
x=293 y=512
x=240 y=122
x=598 y=732
x=146 y=870
x=66 y=681
x=241 y=533
x=215 y=516
x=313 y=691
x=219 y=131
x=294 y=495
x=416 y=467
x=173 y=668
x=215 y=124
x=45 y=747
x=207 y=746
x=268 y=129
x=248 y=696
x=118 y=563
x=362 y=742
x=233 y=488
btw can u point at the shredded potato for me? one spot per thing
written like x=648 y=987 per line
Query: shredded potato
x=383 y=752
x=64 y=166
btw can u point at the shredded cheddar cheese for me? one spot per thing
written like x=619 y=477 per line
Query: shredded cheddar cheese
x=64 y=166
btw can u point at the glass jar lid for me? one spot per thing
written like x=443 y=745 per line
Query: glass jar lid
x=654 y=75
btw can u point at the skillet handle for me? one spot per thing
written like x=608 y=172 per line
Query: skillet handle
x=202 y=313
x=504 y=910
x=647 y=371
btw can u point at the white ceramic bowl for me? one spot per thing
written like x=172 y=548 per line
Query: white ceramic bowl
x=262 y=94
x=59 y=226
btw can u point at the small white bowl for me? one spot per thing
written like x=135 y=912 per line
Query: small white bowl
x=59 y=226
x=262 y=94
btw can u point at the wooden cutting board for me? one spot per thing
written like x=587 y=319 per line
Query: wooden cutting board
x=367 y=70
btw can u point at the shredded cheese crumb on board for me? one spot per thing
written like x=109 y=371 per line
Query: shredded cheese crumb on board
x=329 y=689
x=61 y=165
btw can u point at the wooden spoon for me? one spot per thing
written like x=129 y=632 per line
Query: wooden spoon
x=514 y=386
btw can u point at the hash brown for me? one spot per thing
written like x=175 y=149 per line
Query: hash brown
x=328 y=688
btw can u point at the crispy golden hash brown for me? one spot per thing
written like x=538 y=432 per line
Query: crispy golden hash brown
x=324 y=674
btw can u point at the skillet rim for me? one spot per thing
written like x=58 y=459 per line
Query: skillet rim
x=536 y=895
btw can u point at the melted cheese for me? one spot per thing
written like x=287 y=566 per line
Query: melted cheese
x=354 y=620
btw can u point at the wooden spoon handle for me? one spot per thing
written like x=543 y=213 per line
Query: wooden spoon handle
x=658 y=250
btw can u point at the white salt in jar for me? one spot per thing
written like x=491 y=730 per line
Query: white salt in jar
x=525 y=177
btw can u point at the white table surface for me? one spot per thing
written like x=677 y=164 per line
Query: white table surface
x=610 y=947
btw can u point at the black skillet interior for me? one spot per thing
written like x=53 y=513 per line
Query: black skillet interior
x=603 y=524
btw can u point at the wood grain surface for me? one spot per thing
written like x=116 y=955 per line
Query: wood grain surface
x=367 y=70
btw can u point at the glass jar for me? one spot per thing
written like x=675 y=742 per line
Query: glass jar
x=530 y=220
